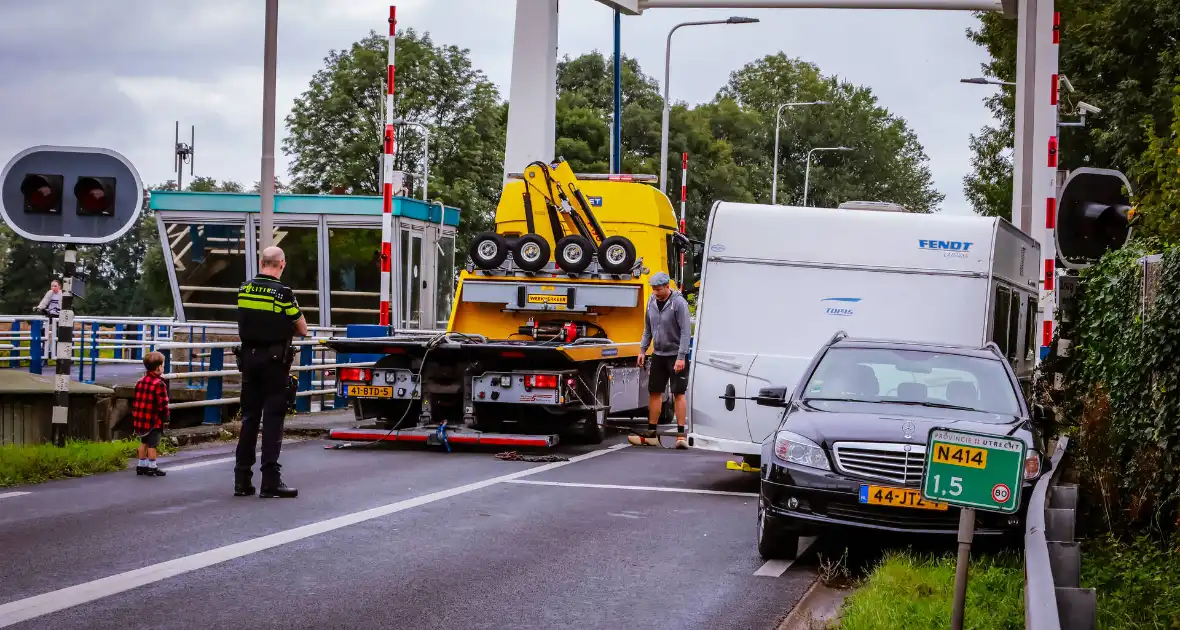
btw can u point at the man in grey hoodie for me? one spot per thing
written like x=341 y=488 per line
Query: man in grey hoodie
x=668 y=328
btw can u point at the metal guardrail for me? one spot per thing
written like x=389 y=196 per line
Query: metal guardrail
x=30 y=339
x=1053 y=597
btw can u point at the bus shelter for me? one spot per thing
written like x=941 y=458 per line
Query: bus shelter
x=333 y=248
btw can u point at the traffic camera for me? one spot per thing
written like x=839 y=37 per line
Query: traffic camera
x=1094 y=215
x=70 y=194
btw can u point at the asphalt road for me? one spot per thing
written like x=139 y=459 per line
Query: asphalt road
x=617 y=537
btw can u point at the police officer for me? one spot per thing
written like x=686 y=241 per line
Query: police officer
x=268 y=316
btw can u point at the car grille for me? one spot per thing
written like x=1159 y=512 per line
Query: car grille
x=894 y=463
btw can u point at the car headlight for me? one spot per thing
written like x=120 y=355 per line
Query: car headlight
x=1032 y=464
x=796 y=449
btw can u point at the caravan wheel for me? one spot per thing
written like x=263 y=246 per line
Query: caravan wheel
x=617 y=254
x=488 y=250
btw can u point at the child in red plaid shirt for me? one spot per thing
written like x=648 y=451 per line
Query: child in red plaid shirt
x=149 y=413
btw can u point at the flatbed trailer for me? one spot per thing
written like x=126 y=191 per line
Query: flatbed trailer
x=536 y=349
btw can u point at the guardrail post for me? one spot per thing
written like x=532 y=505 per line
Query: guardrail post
x=118 y=353
x=303 y=405
x=213 y=391
x=93 y=352
x=340 y=402
x=36 y=342
x=137 y=351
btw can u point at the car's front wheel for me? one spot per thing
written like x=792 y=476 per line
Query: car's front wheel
x=774 y=541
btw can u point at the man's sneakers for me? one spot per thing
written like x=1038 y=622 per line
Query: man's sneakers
x=643 y=440
x=652 y=438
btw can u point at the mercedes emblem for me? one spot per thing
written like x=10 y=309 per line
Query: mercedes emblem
x=908 y=428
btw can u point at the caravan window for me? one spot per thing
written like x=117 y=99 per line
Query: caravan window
x=1030 y=333
x=1013 y=329
x=1000 y=309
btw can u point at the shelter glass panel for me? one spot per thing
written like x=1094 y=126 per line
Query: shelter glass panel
x=210 y=263
x=301 y=248
x=354 y=261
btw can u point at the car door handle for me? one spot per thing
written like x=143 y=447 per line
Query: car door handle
x=729 y=364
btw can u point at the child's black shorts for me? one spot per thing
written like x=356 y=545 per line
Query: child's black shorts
x=663 y=371
x=151 y=439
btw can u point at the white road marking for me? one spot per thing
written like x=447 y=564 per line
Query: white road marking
x=208 y=462
x=54 y=601
x=775 y=568
x=10 y=495
x=617 y=487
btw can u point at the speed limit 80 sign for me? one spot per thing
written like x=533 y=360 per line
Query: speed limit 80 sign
x=974 y=470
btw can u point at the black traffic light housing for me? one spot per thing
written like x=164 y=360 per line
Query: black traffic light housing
x=96 y=196
x=64 y=194
x=1094 y=215
x=41 y=193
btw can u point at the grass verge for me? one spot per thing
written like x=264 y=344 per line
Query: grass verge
x=915 y=592
x=1138 y=582
x=34 y=463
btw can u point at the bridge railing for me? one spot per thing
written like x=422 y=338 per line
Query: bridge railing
x=199 y=360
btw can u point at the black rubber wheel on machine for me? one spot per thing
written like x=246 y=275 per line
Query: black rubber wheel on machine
x=488 y=250
x=531 y=252
x=574 y=253
x=617 y=254
x=774 y=541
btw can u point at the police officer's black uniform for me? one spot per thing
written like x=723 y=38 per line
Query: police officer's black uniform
x=267 y=312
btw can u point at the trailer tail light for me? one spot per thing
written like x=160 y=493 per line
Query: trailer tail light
x=356 y=374
x=540 y=381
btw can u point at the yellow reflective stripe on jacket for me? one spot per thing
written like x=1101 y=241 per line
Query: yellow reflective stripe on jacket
x=256 y=302
x=291 y=312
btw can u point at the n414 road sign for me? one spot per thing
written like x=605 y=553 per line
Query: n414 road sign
x=974 y=470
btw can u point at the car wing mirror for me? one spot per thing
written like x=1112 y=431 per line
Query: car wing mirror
x=1044 y=418
x=772 y=396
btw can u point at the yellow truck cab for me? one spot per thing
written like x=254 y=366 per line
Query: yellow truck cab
x=546 y=324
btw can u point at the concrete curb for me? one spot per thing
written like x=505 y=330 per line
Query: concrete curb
x=817 y=609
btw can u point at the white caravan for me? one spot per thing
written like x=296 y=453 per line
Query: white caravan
x=778 y=281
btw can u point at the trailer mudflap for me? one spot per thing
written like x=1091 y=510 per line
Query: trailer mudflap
x=422 y=436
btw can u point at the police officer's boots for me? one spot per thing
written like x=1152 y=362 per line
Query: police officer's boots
x=242 y=486
x=277 y=491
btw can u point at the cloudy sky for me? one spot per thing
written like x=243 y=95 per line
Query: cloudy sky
x=118 y=73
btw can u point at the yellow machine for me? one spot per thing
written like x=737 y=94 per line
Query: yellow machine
x=546 y=322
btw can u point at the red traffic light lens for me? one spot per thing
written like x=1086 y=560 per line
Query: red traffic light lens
x=96 y=195
x=42 y=193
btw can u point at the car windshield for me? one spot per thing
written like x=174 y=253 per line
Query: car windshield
x=913 y=377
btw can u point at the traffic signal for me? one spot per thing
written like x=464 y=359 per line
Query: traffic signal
x=96 y=195
x=70 y=194
x=42 y=193
x=1094 y=215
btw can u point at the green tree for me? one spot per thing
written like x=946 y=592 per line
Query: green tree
x=336 y=126
x=887 y=163
x=1159 y=178
x=1118 y=54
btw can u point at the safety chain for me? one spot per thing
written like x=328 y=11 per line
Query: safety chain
x=513 y=456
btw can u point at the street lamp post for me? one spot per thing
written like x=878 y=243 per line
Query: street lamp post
x=807 y=172
x=777 y=117
x=667 y=105
x=269 y=73
x=425 y=150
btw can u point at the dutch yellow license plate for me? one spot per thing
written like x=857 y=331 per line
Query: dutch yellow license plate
x=897 y=497
x=369 y=391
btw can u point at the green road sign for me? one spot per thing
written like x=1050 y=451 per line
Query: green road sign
x=974 y=470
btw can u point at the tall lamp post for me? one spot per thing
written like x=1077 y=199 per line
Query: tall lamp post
x=667 y=105
x=807 y=172
x=777 y=117
x=269 y=78
x=425 y=150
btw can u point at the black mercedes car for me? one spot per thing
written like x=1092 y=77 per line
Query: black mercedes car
x=850 y=449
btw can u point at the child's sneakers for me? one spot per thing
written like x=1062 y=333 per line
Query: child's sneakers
x=681 y=441
x=141 y=470
x=150 y=471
